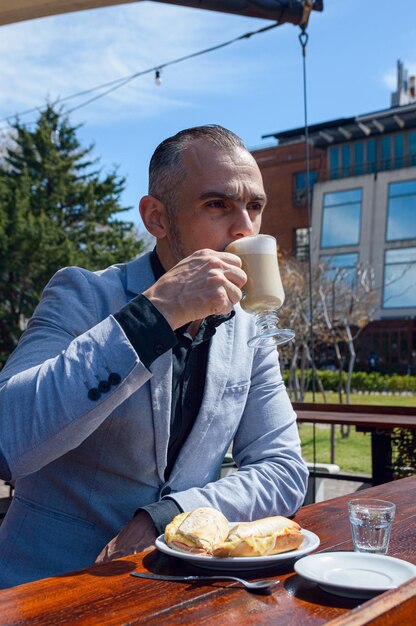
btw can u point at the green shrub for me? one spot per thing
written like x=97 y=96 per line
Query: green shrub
x=359 y=381
x=374 y=382
x=404 y=452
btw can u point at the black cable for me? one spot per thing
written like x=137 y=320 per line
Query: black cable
x=303 y=38
x=120 y=82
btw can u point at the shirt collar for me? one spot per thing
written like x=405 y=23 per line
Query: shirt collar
x=157 y=267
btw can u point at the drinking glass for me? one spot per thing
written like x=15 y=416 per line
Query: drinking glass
x=371 y=521
x=263 y=292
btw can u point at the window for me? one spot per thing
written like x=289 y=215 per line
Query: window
x=412 y=148
x=333 y=162
x=299 y=193
x=398 y=151
x=385 y=153
x=346 y=159
x=340 y=266
x=359 y=158
x=353 y=159
x=341 y=218
x=301 y=243
x=401 y=211
x=399 y=278
x=371 y=155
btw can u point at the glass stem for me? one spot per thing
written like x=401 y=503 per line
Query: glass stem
x=266 y=320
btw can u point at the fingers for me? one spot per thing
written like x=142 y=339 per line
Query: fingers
x=113 y=551
x=110 y=553
x=230 y=258
x=224 y=290
x=103 y=556
x=205 y=283
x=139 y=534
x=224 y=260
x=224 y=279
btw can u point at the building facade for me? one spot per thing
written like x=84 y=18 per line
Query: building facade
x=363 y=211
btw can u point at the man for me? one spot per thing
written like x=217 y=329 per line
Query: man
x=129 y=385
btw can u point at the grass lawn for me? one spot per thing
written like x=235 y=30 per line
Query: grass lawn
x=353 y=453
x=373 y=399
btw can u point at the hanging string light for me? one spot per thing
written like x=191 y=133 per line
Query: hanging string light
x=158 y=79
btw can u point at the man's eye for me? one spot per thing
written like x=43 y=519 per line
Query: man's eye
x=255 y=207
x=216 y=204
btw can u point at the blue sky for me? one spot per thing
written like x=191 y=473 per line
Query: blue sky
x=253 y=87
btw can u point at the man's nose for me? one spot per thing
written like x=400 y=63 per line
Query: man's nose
x=242 y=225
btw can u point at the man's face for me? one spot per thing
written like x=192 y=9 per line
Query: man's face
x=221 y=199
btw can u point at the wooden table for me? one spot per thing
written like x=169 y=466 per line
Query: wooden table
x=378 y=420
x=108 y=595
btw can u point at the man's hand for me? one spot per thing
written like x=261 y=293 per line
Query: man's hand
x=139 y=534
x=204 y=283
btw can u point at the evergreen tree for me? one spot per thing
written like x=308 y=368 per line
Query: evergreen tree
x=56 y=209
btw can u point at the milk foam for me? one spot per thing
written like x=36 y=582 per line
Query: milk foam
x=254 y=244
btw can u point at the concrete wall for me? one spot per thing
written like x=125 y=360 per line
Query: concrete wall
x=278 y=166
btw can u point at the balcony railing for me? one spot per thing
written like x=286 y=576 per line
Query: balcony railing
x=372 y=167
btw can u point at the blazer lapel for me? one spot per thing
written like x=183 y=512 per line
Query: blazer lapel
x=219 y=363
x=161 y=394
x=139 y=277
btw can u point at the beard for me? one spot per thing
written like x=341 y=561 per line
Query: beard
x=175 y=238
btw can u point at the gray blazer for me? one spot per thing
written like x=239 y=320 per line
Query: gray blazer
x=84 y=462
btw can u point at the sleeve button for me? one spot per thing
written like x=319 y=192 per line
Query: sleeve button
x=159 y=349
x=94 y=394
x=104 y=386
x=114 y=378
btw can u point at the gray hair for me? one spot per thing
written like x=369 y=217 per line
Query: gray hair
x=166 y=170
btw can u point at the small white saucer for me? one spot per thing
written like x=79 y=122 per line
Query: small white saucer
x=355 y=574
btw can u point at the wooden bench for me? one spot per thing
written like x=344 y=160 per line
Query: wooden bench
x=378 y=420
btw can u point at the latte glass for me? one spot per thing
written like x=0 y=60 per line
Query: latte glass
x=263 y=292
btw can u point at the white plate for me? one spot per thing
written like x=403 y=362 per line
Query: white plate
x=310 y=542
x=355 y=574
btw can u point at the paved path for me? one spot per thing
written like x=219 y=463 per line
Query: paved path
x=335 y=488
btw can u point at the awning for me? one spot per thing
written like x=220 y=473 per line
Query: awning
x=293 y=11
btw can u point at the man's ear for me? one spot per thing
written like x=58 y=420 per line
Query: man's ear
x=153 y=214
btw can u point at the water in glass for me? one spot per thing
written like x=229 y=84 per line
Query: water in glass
x=371 y=524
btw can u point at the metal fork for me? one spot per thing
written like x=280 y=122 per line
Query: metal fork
x=259 y=586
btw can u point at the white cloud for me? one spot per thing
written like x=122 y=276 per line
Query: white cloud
x=58 y=56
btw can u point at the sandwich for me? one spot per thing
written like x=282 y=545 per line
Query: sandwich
x=197 y=531
x=263 y=537
x=207 y=531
